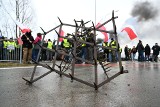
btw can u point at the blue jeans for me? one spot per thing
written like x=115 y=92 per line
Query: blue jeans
x=35 y=54
x=140 y=55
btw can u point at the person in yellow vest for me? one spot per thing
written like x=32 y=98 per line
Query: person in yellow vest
x=48 y=52
x=11 y=49
x=5 y=44
x=1 y=47
x=106 y=51
x=67 y=45
x=113 y=54
x=81 y=51
x=120 y=51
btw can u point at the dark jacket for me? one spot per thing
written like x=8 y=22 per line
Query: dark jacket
x=156 y=50
x=126 y=51
x=147 y=50
x=133 y=50
x=37 y=42
x=140 y=47
x=27 y=43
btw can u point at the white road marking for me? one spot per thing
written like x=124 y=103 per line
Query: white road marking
x=18 y=67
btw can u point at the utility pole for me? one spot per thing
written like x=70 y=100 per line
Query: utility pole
x=17 y=17
x=0 y=33
x=95 y=11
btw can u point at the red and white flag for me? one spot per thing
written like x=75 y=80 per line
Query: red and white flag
x=128 y=32
x=23 y=28
x=131 y=32
x=105 y=34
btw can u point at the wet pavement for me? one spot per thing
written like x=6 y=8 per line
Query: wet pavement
x=138 y=88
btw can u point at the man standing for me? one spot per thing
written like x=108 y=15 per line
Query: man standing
x=36 y=48
x=113 y=52
x=147 y=52
x=48 y=52
x=140 y=50
x=27 y=39
x=126 y=52
x=156 y=50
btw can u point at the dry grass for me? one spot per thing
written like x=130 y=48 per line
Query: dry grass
x=12 y=64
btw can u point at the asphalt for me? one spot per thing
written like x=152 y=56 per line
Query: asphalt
x=138 y=88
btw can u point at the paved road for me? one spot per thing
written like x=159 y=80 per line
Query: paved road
x=138 y=88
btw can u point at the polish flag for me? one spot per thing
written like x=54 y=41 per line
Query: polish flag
x=128 y=32
x=61 y=34
x=23 y=28
x=105 y=34
x=20 y=42
x=131 y=32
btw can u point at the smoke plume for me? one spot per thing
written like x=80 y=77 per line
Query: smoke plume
x=144 y=10
x=148 y=14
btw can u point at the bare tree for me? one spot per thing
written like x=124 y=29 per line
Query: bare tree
x=20 y=10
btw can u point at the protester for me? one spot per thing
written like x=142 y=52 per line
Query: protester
x=133 y=53
x=43 y=52
x=36 y=47
x=140 y=50
x=1 y=47
x=126 y=52
x=5 y=44
x=27 y=39
x=147 y=52
x=66 y=45
x=156 y=50
x=113 y=53
x=48 y=52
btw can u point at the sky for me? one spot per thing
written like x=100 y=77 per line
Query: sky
x=47 y=11
x=67 y=10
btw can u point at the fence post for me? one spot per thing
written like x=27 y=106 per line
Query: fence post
x=20 y=61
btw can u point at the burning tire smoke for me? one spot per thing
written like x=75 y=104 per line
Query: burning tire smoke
x=148 y=20
x=144 y=10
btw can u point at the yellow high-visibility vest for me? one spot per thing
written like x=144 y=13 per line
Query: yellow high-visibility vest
x=113 y=44
x=50 y=44
x=83 y=43
x=66 y=44
x=5 y=43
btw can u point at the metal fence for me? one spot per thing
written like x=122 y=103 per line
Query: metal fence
x=11 y=54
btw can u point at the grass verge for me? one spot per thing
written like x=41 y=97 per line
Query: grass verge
x=13 y=64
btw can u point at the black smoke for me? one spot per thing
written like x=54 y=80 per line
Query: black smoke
x=144 y=10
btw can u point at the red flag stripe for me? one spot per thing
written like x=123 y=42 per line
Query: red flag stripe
x=61 y=34
x=130 y=33
x=105 y=34
x=20 y=42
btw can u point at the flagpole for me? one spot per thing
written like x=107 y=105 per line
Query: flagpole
x=95 y=12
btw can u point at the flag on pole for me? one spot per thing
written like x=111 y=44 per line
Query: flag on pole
x=128 y=32
x=131 y=32
x=23 y=28
x=105 y=34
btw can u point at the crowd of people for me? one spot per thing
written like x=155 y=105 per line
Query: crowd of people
x=144 y=52
x=9 y=48
x=32 y=46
